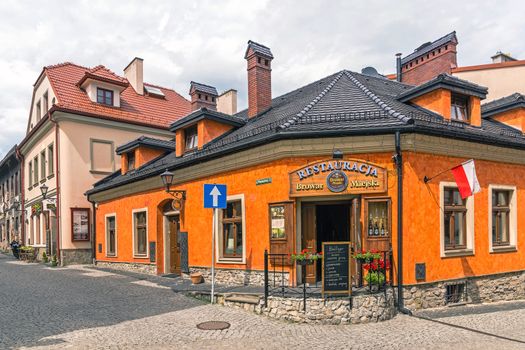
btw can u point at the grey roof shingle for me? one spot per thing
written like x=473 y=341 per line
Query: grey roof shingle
x=146 y=141
x=503 y=104
x=259 y=49
x=428 y=47
x=344 y=103
x=207 y=89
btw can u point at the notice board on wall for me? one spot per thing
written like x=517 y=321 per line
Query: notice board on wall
x=336 y=274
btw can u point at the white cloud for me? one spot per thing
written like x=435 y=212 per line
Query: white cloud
x=205 y=41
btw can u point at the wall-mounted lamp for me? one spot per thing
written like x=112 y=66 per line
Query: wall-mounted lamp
x=167 y=180
x=337 y=154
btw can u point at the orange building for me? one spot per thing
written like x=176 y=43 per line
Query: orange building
x=341 y=159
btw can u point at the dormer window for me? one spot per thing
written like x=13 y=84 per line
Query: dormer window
x=191 y=138
x=459 y=108
x=105 y=96
x=131 y=160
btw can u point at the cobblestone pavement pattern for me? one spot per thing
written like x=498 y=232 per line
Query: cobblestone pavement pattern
x=83 y=308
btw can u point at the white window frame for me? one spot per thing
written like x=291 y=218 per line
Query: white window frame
x=469 y=250
x=111 y=215
x=218 y=238
x=135 y=255
x=513 y=219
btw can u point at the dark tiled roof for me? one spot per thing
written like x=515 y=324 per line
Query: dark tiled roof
x=207 y=89
x=444 y=81
x=344 y=103
x=503 y=104
x=259 y=49
x=428 y=47
x=5 y=163
x=147 y=141
x=204 y=113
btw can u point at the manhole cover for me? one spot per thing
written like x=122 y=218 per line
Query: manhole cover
x=213 y=325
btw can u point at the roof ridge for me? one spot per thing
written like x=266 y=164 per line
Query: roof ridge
x=377 y=100
x=309 y=106
x=63 y=64
x=107 y=70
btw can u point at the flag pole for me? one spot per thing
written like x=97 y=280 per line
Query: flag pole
x=426 y=179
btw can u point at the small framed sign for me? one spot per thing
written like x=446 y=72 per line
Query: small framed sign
x=80 y=224
x=336 y=273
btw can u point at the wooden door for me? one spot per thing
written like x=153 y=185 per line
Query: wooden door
x=174 y=227
x=309 y=238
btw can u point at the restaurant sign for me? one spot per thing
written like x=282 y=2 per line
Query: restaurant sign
x=333 y=176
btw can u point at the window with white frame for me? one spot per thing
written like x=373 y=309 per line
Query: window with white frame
x=140 y=233
x=111 y=235
x=502 y=218
x=456 y=221
x=232 y=231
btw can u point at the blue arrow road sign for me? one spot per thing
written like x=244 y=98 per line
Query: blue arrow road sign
x=214 y=196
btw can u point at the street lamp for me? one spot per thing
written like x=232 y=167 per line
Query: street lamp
x=44 y=189
x=167 y=180
x=337 y=154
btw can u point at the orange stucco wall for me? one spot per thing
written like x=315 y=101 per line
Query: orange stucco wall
x=209 y=130
x=514 y=118
x=145 y=154
x=421 y=220
x=475 y=111
x=437 y=101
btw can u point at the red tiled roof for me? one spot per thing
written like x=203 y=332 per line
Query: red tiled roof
x=134 y=108
x=489 y=66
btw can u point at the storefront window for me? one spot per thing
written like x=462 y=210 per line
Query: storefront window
x=378 y=217
x=500 y=217
x=232 y=231
x=140 y=233
x=455 y=216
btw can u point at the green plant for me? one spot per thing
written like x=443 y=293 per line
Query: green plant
x=367 y=256
x=375 y=277
x=45 y=258
x=26 y=249
x=54 y=260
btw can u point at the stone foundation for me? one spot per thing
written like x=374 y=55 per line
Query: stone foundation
x=133 y=267
x=480 y=289
x=238 y=277
x=365 y=308
x=76 y=256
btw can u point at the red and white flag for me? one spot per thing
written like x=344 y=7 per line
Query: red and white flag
x=466 y=179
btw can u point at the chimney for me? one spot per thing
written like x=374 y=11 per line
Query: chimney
x=227 y=102
x=203 y=96
x=134 y=72
x=501 y=57
x=398 y=67
x=259 y=59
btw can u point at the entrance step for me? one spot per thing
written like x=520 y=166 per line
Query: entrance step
x=242 y=298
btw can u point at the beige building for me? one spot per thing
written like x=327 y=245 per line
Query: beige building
x=504 y=76
x=78 y=117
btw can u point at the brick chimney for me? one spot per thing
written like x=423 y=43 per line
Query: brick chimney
x=259 y=59
x=134 y=72
x=203 y=95
x=430 y=60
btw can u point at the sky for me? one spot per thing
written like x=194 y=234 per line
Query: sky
x=205 y=41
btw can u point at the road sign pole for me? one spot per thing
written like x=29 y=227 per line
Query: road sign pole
x=214 y=228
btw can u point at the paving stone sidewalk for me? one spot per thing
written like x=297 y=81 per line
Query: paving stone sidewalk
x=84 y=308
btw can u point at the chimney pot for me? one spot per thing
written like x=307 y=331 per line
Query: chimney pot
x=203 y=96
x=134 y=72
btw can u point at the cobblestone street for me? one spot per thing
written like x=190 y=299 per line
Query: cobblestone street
x=83 y=308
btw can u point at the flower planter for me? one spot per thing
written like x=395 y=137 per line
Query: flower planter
x=305 y=262
x=196 y=278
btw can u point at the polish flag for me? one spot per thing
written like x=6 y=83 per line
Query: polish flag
x=466 y=179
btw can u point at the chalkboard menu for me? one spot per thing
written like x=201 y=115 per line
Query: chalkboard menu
x=336 y=268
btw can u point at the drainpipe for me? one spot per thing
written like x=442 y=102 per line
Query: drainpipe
x=399 y=76
x=94 y=230
x=399 y=167
x=57 y=185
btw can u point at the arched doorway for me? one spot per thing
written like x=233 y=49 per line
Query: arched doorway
x=172 y=251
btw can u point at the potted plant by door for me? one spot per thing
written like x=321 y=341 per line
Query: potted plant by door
x=196 y=277
x=306 y=257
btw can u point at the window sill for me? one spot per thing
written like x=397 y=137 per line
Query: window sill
x=140 y=256
x=238 y=261
x=457 y=252
x=503 y=249
x=42 y=180
x=99 y=172
x=111 y=255
x=50 y=176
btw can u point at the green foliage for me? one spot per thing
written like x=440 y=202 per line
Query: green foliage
x=375 y=277
x=54 y=260
x=45 y=258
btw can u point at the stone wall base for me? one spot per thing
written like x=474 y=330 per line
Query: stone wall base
x=75 y=256
x=365 y=308
x=237 y=276
x=133 y=267
x=480 y=289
